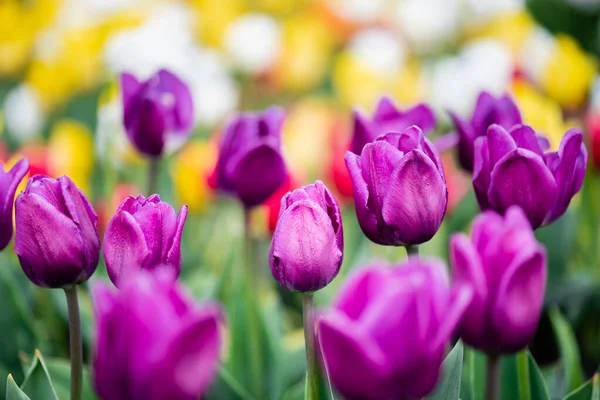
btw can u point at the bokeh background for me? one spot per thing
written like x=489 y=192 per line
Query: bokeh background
x=60 y=107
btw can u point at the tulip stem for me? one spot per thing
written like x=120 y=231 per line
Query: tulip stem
x=412 y=250
x=153 y=175
x=76 y=344
x=493 y=377
x=312 y=388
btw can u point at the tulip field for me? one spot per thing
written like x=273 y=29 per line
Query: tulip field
x=292 y=199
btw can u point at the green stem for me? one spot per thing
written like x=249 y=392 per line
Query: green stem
x=412 y=250
x=76 y=343
x=523 y=375
x=254 y=334
x=153 y=175
x=312 y=386
x=493 y=378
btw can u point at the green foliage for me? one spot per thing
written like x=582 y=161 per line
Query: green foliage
x=448 y=387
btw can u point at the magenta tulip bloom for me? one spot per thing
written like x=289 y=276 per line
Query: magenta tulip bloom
x=388 y=118
x=8 y=185
x=143 y=233
x=250 y=166
x=511 y=168
x=399 y=186
x=156 y=113
x=386 y=334
x=152 y=342
x=57 y=235
x=488 y=110
x=308 y=243
x=506 y=267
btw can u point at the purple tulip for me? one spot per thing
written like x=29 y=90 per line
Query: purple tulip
x=57 y=236
x=143 y=233
x=388 y=118
x=506 y=268
x=250 y=165
x=386 y=334
x=157 y=113
x=152 y=341
x=308 y=243
x=8 y=185
x=512 y=169
x=488 y=110
x=400 y=191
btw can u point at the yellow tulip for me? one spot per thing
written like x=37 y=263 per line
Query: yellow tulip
x=71 y=152
x=512 y=29
x=190 y=172
x=306 y=48
x=214 y=17
x=569 y=74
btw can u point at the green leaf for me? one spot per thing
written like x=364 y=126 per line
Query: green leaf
x=60 y=371
x=477 y=374
x=227 y=387
x=569 y=352
x=13 y=392
x=449 y=386
x=584 y=392
x=37 y=383
x=539 y=391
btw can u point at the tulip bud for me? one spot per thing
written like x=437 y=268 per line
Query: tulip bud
x=488 y=110
x=388 y=118
x=400 y=191
x=143 y=233
x=506 y=268
x=158 y=113
x=152 y=341
x=57 y=233
x=9 y=181
x=511 y=168
x=386 y=334
x=250 y=165
x=308 y=243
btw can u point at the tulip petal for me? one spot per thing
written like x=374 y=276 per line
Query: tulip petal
x=500 y=143
x=356 y=365
x=57 y=262
x=190 y=360
x=9 y=181
x=415 y=202
x=460 y=299
x=366 y=218
x=362 y=133
x=183 y=106
x=85 y=218
x=481 y=172
x=388 y=115
x=145 y=125
x=518 y=303
x=483 y=114
x=304 y=253
x=173 y=257
x=569 y=172
x=357 y=291
x=521 y=178
x=526 y=138
x=253 y=186
x=129 y=87
x=466 y=137
x=125 y=248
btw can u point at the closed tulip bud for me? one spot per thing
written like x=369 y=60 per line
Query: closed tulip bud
x=9 y=181
x=387 y=332
x=250 y=166
x=57 y=234
x=506 y=268
x=388 y=118
x=488 y=110
x=144 y=233
x=152 y=342
x=308 y=243
x=511 y=168
x=158 y=113
x=400 y=191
